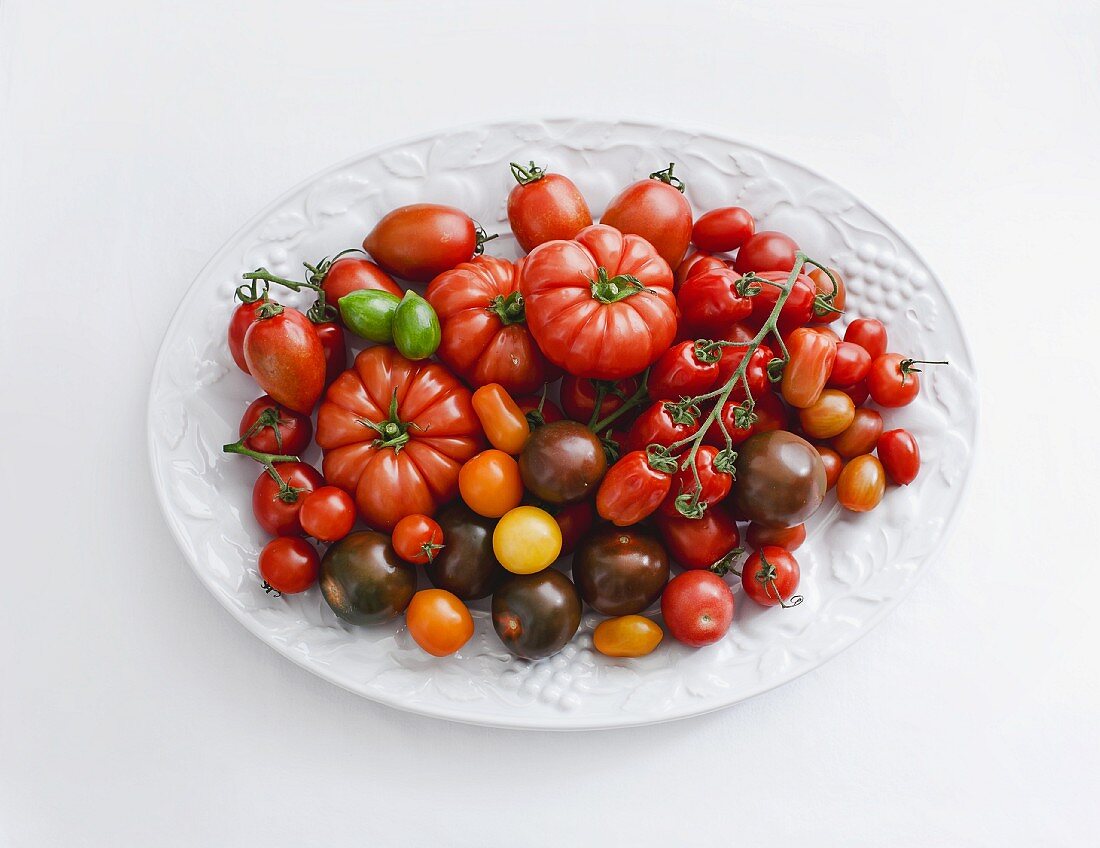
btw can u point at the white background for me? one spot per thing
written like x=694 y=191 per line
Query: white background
x=136 y=137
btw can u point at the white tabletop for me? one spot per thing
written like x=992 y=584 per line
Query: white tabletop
x=136 y=136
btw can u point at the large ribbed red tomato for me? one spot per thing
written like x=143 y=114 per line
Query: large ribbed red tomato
x=395 y=434
x=485 y=336
x=599 y=305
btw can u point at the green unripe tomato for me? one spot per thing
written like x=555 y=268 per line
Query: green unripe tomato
x=369 y=314
x=416 y=331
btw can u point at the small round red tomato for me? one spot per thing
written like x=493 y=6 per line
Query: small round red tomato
x=289 y=565
x=860 y=436
x=770 y=577
x=869 y=334
x=696 y=263
x=438 y=622
x=771 y=414
x=634 y=487
x=732 y=412
x=699 y=542
x=825 y=297
x=331 y=336
x=661 y=423
x=811 y=361
x=715 y=479
x=543 y=207
x=490 y=483
x=505 y=425
x=756 y=372
x=656 y=210
x=790 y=538
x=831 y=414
x=277 y=508
x=858 y=393
x=285 y=357
x=861 y=484
x=723 y=230
x=709 y=302
x=900 y=456
x=538 y=410
x=797 y=309
x=684 y=370
x=574 y=521
x=417 y=539
x=355 y=273
x=766 y=251
x=833 y=465
x=327 y=514
x=850 y=365
x=893 y=381
x=697 y=607
x=244 y=316
x=278 y=430
x=578 y=396
x=421 y=241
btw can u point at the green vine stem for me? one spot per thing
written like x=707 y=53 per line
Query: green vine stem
x=287 y=493
x=524 y=176
x=393 y=432
x=640 y=396
x=666 y=176
x=766 y=577
x=321 y=312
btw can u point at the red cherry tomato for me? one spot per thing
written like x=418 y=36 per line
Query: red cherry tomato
x=790 y=538
x=797 y=310
x=578 y=396
x=723 y=230
x=771 y=414
x=656 y=210
x=699 y=542
x=244 y=316
x=417 y=539
x=709 y=303
x=285 y=357
x=729 y=417
x=850 y=365
x=283 y=431
x=811 y=362
x=869 y=334
x=277 y=510
x=696 y=263
x=714 y=483
x=858 y=393
x=421 y=241
x=833 y=463
x=686 y=369
x=766 y=251
x=538 y=410
x=893 y=381
x=860 y=436
x=331 y=336
x=634 y=487
x=543 y=207
x=289 y=565
x=574 y=521
x=356 y=273
x=697 y=607
x=900 y=456
x=660 y=424
x=824 y=288
x=757 y=370
x=770 y=577
x=327 y=514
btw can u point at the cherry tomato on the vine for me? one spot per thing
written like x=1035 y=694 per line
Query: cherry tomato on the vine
x=490 y=483
x=505 y=425
x=289 y=565
x=662 y=423
x=283 y=430
x=327 y=514
x=285 y=357
x=417 y=539
x=824 y=287
x=900 y=456
x=766 y=251
x=697 y=607
x=356 y=273
x=538 y=410
x=770 y=576
x=438 y=622
x=543 y=207
x=276 y=508
x=709 y=302
x=686 y=369
x=699 y=542
x=850 y=366
x=696 y=263
x=869 y=334
x=578 y=396
x=723 y=230
x=861 y=484
x=797 y=309
x=715 y=481
x=634 y=487
x=732 y=411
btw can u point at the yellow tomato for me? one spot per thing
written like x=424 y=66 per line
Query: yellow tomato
x=627 y=636
x=526 y=540
x=490 y=483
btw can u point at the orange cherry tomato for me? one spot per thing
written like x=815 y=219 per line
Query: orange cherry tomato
x=627 y=636
x=503 y=421
x=811 y=362
x=833 y=463
x=790 y=538
x=490 y=483
x=861 y=484
x=828 y=416
x=439 y=622
x=860 y=436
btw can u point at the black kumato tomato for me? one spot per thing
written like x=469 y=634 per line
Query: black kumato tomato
x=536 y=614
x=780 y=479
x=364 y=580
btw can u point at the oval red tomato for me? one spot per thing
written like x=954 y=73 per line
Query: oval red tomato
x=684 y=370
x=699 y=542
x=285 y=357
x=634 y=487
x=723 y=230
x=900 y=456
x=543 y=207
x=355 y=273
x=766 y=251
x=709 y=302
x=662 y=424
x=421 y=241
x=715 y=481
x=656 y=210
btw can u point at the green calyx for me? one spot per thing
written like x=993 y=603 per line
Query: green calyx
x=510 y=310
x=392 y=432
x=613 y=289
x=525 y=176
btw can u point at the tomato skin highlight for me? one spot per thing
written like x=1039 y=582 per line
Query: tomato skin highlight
x=285 y=357
x=276 y=516
x=900 y=456
x=327 y=514
x=295 y=430
x=632 y=490
x=627 y=636
x=697 y=607
x=421 y=241
x=655 y=211
x=289 y=564
x=503 y=421
x=546 y=208
x=723 y=230
x=438 y=622
x=862 y=484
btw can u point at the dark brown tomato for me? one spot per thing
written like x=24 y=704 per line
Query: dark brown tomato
x=535 y=615
x=780 y=479
x=467 y=566
x=620 y=570
x=562 y=462
x=364 y=580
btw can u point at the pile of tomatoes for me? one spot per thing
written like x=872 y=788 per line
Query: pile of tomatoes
x=608 y=396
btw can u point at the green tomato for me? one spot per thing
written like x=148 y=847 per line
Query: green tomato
x=369 y=314
x=416 y=331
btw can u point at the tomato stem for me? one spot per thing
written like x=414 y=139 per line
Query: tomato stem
x=392 y=432
x=641 y=394
x=666 y=177
x=482 y=237
x=524 y=176
x=613 y=289
x=510 y=309
x=287 y=492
